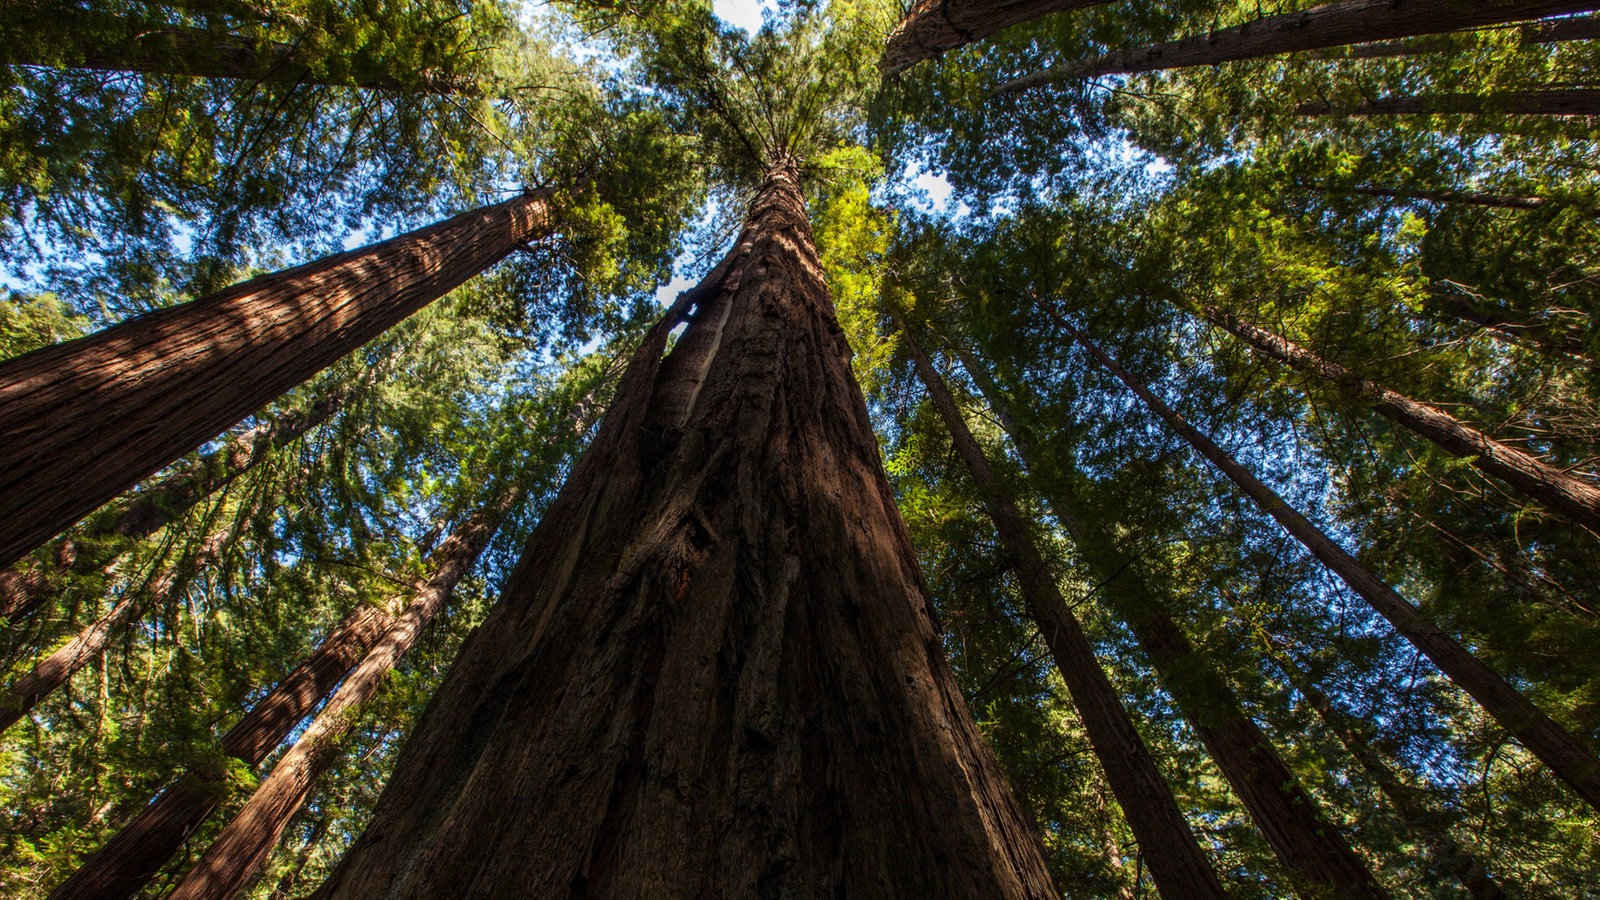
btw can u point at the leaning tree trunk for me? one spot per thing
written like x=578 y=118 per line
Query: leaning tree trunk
x=87 y=419
x=54 y=670
x=234 y=858
x=1409 y=803
x=1514 y=328
x=131 y=859
x=1571 y=497
x=51 y=34
x=1330 y=25
x=1469 y=198
x=715 y=671
x=23 y=587
x=1565 y=754
x=1177 y=863
x=1301 y=837
x=1555 y=31
x=935 y=26
x=1554 y=102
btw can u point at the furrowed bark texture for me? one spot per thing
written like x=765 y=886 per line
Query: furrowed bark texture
x=1410 y=804
x=935 y=26
x=120 y=869
x=1177 y=863
x=1571 y=497
x=87 y=419
x=715 y=672
x=238 y=853
x=1559 y=102
x=1301 y=837
x=25 y=587
x=1330 y=25
x=1565 y=754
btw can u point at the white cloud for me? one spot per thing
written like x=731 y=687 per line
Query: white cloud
x=744 y=14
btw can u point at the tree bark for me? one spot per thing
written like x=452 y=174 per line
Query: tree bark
x=55 y=669
x=1301 y=837
x=78 y=38
x=1555 y=31
x=1472 y=198
x=1565 y=754
x=1409 y=803
x=1555 y=102
x=1571 y=497
x=237 y=855
x=24 y=587
x=1329 y=25
x=715 y=670
x=1177 y=863
x=935 y=26
x=120 y=869
x=87 y=419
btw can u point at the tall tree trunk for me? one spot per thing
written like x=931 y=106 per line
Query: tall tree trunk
x=87 y=419
x=1178 y=864
x=1410 y=804
x=1472 y=198
x=1571 y=497
x=715 y=671
x=1553 y=102
x=1555 y=31
x=24 y=587
x=1301 y=837
x=120 y=869
x=239 y=852
x=1566 y=755
x=1329 y=25
x=51 y=34
x=935 y=26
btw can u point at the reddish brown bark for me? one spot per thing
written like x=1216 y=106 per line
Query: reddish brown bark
x=714 y=671
x=1177 y=863
x=238 y=853
x=1329 y=25
x=1301 y=837
x=935 y=26
x=86 y=420
x=1557 y=748
x=128 y=862
x=1571 y=497
x=1556 y=102
x=24 y=586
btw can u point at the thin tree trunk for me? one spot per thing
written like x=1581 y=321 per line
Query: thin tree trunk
x=120 y=869
x=1556 y=747
x=1555 y=102
x=237 y=855
x=55 y=669
x=1472 y=198
x=24 y=587
x=1178 y=864
x=87 y=419
x=1584 y=28
x=715 y=671
x=935 y=26
x=1571 y=497
x=1511 y=327
x=77 y=38
x=1329 y=25
x=1409 y=804
x=1301 y=837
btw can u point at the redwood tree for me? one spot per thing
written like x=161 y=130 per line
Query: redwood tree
x=935 y=26
x=87 y=419
x=714 y=671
